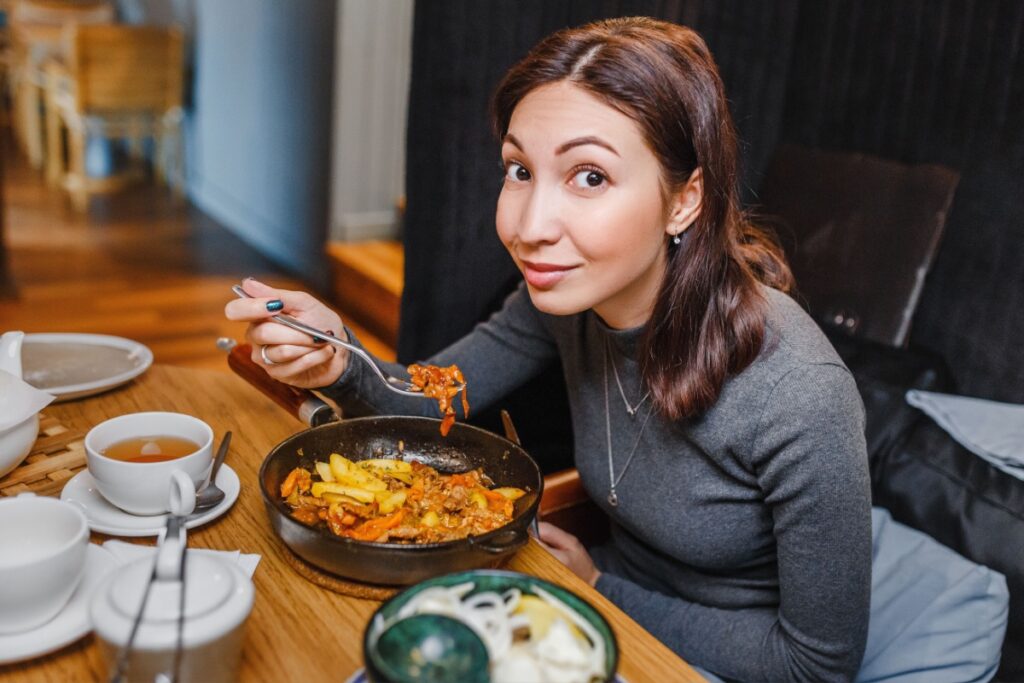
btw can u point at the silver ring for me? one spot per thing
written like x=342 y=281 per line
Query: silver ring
x=263 y=355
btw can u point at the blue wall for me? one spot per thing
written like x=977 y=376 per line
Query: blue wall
x=259 y=130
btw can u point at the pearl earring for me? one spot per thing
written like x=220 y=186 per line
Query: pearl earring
x=676 y=239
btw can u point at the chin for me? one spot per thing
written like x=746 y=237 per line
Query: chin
x=554 y=302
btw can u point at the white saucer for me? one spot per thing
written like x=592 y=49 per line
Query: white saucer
x=70 y=624
x=105 y=518
x=75 y=365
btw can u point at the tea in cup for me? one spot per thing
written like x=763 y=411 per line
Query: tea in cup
x=133 y=458
x=43 y=545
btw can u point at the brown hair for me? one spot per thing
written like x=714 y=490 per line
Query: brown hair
x=708 y=321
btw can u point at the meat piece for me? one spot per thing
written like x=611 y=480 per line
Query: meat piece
x=441 y=384
x=456 y=499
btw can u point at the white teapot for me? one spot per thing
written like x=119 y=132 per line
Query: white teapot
x=218 y=597
x=20 y=404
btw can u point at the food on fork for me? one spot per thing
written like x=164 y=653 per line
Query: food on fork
x=385 y=500
x=441 y=384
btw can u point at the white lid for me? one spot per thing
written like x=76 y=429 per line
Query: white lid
x=218 y=597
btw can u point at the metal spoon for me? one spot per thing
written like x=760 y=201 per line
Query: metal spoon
x=512 y=435
x=211 y=494
x=393 y=383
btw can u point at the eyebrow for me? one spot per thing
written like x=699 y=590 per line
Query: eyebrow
x=566 y=146
x=588 y=140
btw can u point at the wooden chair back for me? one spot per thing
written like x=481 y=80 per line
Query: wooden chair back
x=62 y=12
x=116 y=67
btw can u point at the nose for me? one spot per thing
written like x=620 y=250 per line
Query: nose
x=540 y=221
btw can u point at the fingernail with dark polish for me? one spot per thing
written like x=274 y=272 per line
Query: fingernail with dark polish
x=318 y=340
x=275 y=305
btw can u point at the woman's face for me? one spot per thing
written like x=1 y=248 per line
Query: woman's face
x=581 y=211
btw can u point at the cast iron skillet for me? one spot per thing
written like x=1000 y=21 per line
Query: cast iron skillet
x=466 y=447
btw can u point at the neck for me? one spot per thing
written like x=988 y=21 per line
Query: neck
x=632 y=307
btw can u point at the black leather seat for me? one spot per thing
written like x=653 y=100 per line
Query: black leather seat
x=930 y=482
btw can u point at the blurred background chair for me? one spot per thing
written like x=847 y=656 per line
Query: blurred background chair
x=120 y=82
x=36 y=36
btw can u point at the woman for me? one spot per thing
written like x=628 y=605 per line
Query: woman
x=713 y=422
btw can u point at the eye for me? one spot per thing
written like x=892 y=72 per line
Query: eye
x=589 y=179
x=516 y=172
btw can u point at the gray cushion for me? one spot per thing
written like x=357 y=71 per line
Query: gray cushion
x=935 y=616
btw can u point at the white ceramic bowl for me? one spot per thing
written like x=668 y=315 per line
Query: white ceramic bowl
x=43 y=544
x=144 y=488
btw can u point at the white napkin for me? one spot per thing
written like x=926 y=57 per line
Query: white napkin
x=993 y=431
x=19 y=400
x=129 y=552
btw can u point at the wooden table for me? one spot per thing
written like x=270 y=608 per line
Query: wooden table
x=292 y=619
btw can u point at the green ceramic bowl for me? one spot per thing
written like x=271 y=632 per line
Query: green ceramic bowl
x=384 y=665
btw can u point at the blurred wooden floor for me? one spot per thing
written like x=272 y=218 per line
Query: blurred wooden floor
x=140 y=264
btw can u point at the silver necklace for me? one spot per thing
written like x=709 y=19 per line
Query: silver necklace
x=631 y=409
x=613 y=481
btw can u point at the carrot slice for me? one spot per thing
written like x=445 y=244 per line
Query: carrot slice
x=371 y=529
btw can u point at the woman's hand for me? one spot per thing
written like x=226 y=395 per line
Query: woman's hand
x=569 y=551
x=287 y=355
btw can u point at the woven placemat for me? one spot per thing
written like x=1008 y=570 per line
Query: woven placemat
x=355 y=589
x=57 y=455
x=323 y=579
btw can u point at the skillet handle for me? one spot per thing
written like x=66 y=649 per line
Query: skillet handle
x=300 y=403
x=503 y=543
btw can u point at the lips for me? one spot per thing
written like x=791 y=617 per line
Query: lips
x=545 y=275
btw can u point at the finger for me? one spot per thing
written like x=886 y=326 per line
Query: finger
x=256 y=288
x=247 y=310
x=560 y=555
x=294 y=301
x=280 y=354
x=557 y=538
x=301 y=365
x=267 y=301
x=271 y=333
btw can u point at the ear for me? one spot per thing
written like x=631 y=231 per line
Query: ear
x=686 y=204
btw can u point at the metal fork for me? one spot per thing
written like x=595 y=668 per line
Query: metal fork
x=396 y=385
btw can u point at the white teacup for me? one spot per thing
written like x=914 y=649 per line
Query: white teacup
x=43 y=545
x=146 y=488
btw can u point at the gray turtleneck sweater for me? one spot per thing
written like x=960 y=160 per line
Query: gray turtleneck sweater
x=742 y=537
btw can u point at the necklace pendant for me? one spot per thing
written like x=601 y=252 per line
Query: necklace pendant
x=613 y=499
x=631 y=411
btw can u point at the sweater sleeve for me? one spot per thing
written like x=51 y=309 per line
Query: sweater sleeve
x=496 y=357
x=810 y=460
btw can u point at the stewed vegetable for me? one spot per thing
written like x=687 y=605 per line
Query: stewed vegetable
x=384 y=500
